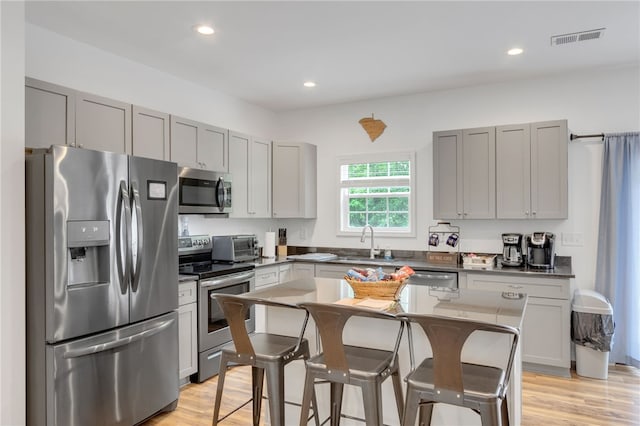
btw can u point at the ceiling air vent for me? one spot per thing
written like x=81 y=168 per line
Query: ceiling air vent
x=574 y=37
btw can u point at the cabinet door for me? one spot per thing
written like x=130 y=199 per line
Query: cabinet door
x=286 y=180
x=213 y=146
x=549 y=168
x=238 y=167
x=302 y=270
x=184 y=142
x=259 y=188
x=294 y=180
x=49 y=114
x=546 y=332
x=513 y=180
x=479 y=173
x=150 y=134
x=188 y=339
x=103 y=124
x=285 y=273
x=447 y=175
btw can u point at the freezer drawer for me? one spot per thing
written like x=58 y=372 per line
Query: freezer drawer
x=115 y=378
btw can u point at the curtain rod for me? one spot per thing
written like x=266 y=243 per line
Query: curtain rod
x=597 y=135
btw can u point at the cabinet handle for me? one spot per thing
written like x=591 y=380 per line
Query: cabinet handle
x=464 y=214
x=515 y=286
x=459 y=214
x=526 y=213
x=80 y=145
x=533 y=213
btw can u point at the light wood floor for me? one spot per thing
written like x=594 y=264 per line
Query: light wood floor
x=547 y=400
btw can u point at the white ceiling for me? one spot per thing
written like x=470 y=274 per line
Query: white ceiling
x=263 y=51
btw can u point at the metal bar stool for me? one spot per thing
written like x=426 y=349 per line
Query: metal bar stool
x=263 y=352
x=445 y=378
x=342 y=364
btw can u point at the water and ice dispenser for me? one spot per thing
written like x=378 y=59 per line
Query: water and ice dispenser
x=88 y=244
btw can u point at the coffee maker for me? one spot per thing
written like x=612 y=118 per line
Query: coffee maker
x=540 y=250
x=512 y=249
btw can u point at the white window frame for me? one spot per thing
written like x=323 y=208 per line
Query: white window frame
x=343 y=204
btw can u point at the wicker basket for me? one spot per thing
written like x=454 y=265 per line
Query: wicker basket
x=386 y=290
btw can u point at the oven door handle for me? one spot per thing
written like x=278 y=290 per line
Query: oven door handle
x=228 y=280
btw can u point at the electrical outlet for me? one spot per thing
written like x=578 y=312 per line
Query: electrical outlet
x=573 y=239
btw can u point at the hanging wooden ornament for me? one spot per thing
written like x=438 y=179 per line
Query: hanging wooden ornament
x=373 y=127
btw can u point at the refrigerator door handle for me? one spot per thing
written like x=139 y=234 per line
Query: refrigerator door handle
x=93 y=349
x=123 y=249
x=221 y=196
x=135 y=283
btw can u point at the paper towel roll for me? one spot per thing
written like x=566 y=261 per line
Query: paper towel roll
x=269 y=250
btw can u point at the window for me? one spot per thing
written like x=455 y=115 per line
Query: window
x=377 y=190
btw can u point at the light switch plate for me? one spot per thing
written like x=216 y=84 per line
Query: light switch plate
x=573 y=239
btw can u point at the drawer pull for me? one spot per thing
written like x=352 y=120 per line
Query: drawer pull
x=515 y=286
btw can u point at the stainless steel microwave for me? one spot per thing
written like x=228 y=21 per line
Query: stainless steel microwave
x=204 y=191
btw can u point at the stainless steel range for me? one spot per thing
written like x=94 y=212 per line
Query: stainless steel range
x=227 y=278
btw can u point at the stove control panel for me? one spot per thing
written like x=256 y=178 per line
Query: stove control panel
x=194 y=244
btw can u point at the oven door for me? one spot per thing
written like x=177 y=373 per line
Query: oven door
x=213 y=328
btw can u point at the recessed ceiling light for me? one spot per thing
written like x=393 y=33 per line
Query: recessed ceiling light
x=204 y=29
x=309 y=84
x=514 y=51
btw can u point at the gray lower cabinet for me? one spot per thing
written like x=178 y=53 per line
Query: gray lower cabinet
x=102 y=124
x=464 y=174
x=187 y=329
x=294 y=180
x=531 y=170
x=49 y=114
x=150 y=133
x=302 y=270
x=546 y=339
x=199 y=145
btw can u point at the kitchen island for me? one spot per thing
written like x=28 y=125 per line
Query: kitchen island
x=499 y=308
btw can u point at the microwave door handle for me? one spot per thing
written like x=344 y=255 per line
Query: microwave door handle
x=221 y=196
x=101 y=347
x=122 y=250
x=135 y=283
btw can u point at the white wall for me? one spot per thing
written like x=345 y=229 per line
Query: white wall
x=12 y=275
x=597 y=101
x=61 y=60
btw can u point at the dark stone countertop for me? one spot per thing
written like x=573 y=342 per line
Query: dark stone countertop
x=417 y=259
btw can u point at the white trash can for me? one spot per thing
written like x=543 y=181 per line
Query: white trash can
x=592 y=330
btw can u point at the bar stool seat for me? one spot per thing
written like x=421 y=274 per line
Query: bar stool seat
x=264 y=352
x=444 y=378
x=342 y=364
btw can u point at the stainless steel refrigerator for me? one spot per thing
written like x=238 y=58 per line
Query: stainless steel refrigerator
x=102 y=296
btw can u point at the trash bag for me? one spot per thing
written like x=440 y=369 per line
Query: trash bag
x=594 y=331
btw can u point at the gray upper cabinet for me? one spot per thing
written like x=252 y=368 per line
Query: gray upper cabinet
x=479 y=173
x=49 y=114
x=447 y=172
x=549 y=169
x=102 y=124
x=199 y=145
x=531 y=168
x=260 y=178
x=294 y=180
x=464 y=174
x=239 y=169
x=184 y=142
x=150 y=133
x=250 y=168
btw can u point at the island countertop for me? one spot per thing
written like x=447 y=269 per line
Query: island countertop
x=494 y=307
x=483 y=348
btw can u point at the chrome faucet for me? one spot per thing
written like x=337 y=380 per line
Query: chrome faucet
x=372 y=252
